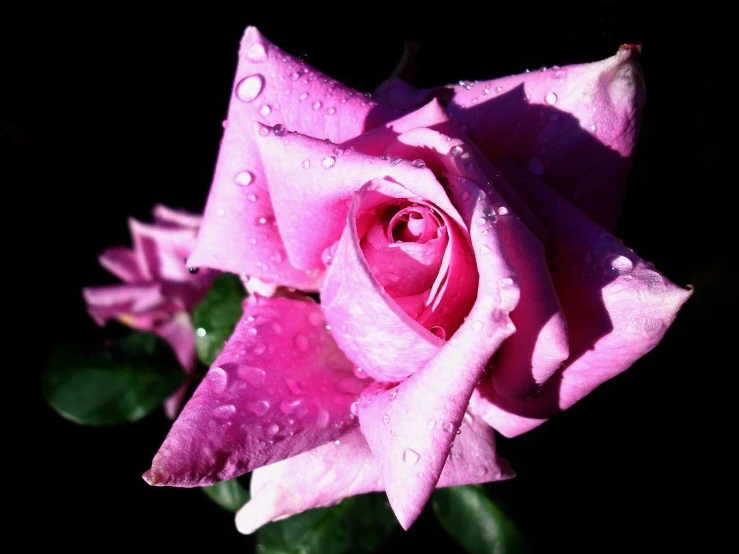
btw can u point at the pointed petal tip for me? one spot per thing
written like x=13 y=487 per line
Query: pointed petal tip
x=630 y=49
x=152 y=477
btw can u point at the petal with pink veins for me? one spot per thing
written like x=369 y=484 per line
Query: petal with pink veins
x=280 y=387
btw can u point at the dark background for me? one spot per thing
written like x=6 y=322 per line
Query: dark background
x=111 y=111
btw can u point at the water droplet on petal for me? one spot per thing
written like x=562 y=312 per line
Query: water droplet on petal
x=252 y=197
x=535 y=166
x=249 y=88
x=224 y=412
x=279 y=130
x=243 y=178
x=619 y=265
x=439 y=331
x=354 y=408
x=551 y=98
x=306 y=164
x=448 y=427
x=456 y=151
x=395 y=160
x=431 y=424
x=316 y=106
x=393 y=395
x=331 y=111
x=477 y=326
x=592 y=127
x=218 y=379
x=256 y=52
x=289 y=406
x=498 y=89
x=258 y=407
x=484 y=249
x=359 y=373
x=506 y=282
x=253 y=375
x=264 y=131
x=386 y=419
x=303 y=96
x=252 y=331
x=272 y=429
x=328 y=162
x=265 y=110
x=301 y=342
x=410 y=457
x=419 y=163
x=201 y=332
x=503 y=210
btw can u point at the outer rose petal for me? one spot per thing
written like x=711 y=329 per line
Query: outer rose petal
x=311 y=184
x=326 y=475
x=577 y=125
x=617 y=308
x=238 y=232
x=280 y=387
x=161 y=251
x=432 y=397
x=122 y=263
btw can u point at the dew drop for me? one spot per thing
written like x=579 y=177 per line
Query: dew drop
x=265 y=110
x=252 y=197
x=592 y=127
x=306 y=164
x=218 y=379
x=252 y=331
x=331 y=111
x=354 y=408
x=259 y=349
x=484 y=249
x=249 y=88
x=303 y=96
x=264 y=131
x=439 y=331
x=477 y=326
x=386 y=419
x=535 y=166
x=253 y=375
x=256 y=52
x=328 y=162
x=289 y=406
x=506 y=282
x=410 y=457
x=456 y=151
x=418 y=163
x=316 y=106
x=551 y=98
x=498 y=89
x=503 y=210
x=272 y=429
x=294 y=76
x=360 y=373
x=279 y=130
x=201 y=332
x=322 y=418
x=619 y=265
x=224 y=412
x=448 y=427
x=243 y=178
x=258 y=407
x=301 y=342
x=431 y=424
x=395 y=160
x=393 y=395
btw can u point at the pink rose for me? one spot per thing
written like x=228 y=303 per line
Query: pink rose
x=158 y=291
x=460 y=240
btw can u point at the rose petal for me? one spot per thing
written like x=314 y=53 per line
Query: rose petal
x=280 y=387
x=576 y=126
x=326 y=475
x=161 y=251
x=176 y=218
x=180 y=335
x=369 y=326
x=432 y=397
x=122 y=263
x=238 y=232
x=311 y=184
x=617 y=308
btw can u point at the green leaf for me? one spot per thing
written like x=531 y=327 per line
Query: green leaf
x=216 y=316
x=476 y=522
x=358 y=524
x=229 y=495
x=121 y=384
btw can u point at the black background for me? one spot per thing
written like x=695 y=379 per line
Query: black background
x=116 y=108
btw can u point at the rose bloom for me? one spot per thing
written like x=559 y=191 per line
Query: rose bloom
x=158 y=291
x=460 y=239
